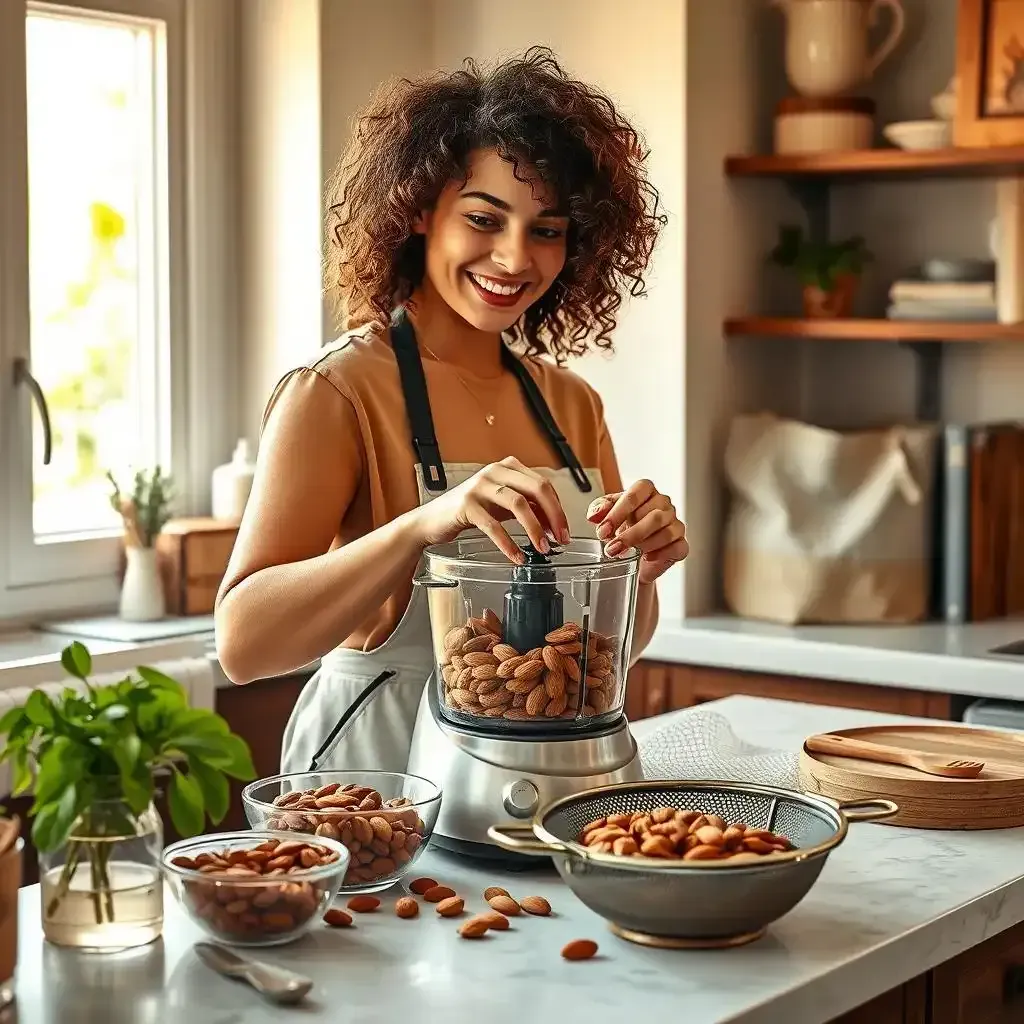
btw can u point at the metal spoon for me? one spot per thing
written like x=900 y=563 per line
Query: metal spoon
x=275 y=983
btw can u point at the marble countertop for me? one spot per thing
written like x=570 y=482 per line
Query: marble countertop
x=890 y=904
x=930 y=656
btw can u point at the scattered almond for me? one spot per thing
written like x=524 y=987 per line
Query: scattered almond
x=504 y=905
x=536 y=905
x=406 y=907
x=496 y=922
x=421 y=885
x=579 y=949
x=451 y=907
x=495 y=890
x=474 y=928
x=437 y=893
x=363 y=904
x=338 y=918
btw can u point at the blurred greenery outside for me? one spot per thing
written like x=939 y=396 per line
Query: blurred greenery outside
x=86 y=129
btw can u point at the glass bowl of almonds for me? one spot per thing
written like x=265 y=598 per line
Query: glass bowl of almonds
x=383 y=819
x=255 y=888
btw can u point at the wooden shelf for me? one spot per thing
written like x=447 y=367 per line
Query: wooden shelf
x=871 y=330
x=883 y=163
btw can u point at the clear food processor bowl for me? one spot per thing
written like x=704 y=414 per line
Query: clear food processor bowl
x=537 y=647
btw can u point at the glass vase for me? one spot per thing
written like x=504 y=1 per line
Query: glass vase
x=103 y=890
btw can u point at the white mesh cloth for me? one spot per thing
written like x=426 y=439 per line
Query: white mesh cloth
x=700 y=744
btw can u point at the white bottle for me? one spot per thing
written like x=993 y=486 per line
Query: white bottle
x=232 y=482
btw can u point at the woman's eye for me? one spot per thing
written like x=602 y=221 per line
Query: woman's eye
x=549 y=233
x=479 y=221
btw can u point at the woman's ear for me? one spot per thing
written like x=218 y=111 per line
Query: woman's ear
x=421 y=222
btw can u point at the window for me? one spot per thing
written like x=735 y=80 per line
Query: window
x=94 y=348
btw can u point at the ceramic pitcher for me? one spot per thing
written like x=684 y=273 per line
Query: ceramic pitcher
x=827 y=52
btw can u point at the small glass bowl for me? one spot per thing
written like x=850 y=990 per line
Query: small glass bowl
x=248 y=909
x=384 y=819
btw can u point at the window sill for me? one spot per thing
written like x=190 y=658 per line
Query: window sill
x=29 y=659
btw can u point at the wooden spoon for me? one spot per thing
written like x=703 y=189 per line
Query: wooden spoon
x=845 y=746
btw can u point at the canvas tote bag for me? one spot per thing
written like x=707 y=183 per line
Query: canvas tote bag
x=828 y=527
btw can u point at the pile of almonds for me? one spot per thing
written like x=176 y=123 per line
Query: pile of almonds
x=234 y=903
x=448 y=904
x=673 y=834
x=487 y=678
x=382 y=835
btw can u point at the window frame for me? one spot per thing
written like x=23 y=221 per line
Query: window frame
x=198 y=377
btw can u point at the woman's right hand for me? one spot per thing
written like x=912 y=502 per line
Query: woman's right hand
x=499 y=492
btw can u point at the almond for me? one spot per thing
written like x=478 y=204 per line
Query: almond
x=451 y=907
x=554 y=682
x=573 y=647
x=482 y=642
x=556 y=706
x=536 y=905
x=475 y=658
x=455 y=638
x=537 y=700
x=504 y=651
x=491 y=621
x=504 y=905
x=564 y=634
x=704 y=853
x=507 y=668
x=495 y=890
x=474 y=928
x=529 y=669
x=437 y=893
x=499 y=922
x=406 y=907
x=552 y=659
x=579 y=949
x=571 y=667
x=337 y=918
x=363 y=904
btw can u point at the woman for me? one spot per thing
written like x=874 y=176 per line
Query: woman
x=472 y=212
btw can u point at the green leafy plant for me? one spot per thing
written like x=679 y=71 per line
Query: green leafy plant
x=819 y=264
x=82 y=752
x=146 y=510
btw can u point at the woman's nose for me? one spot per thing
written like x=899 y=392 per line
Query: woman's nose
x=511 y=253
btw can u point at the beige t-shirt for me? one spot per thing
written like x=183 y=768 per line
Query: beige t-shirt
x=372 y=441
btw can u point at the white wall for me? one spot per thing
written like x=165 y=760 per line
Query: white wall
x=639 y=61
x=279 y=267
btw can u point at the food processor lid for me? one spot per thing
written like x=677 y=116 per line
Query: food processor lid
x=473 y=557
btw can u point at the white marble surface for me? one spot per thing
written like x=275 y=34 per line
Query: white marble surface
x=931 y=656
x=889 y=904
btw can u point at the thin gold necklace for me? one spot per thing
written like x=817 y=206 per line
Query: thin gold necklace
x=489 y=417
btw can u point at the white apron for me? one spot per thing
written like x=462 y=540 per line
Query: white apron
x=359 y=710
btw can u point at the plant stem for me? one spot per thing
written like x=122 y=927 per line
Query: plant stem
x=96 y=871
x=67 y=873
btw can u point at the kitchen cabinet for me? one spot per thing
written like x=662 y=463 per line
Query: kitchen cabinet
x=907 y=1004
x=984 y=985
x=655 y=687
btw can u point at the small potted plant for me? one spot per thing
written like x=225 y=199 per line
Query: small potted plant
x=828 y=271
x=93 y=759
x=144 y=513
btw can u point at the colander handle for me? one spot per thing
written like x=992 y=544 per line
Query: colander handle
x=872 y=809
x=521 y=839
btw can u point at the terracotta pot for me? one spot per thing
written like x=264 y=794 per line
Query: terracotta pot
x=820 y=304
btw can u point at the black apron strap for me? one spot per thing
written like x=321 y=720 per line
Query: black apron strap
x=417 y=405
x=542 y=413
x=417 y=402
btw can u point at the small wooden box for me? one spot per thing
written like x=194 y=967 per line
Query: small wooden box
x=194 y=556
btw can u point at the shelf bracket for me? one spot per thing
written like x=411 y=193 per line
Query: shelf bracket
x=813 y=195
x=928 y=402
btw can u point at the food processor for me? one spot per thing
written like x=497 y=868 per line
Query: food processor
x=526 y=701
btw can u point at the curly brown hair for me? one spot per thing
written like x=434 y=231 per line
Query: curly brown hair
x=416 y=136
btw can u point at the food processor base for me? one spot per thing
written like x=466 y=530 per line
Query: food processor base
x=488 y=779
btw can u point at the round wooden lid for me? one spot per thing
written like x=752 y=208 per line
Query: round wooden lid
x=994 y=799
x=826 y=105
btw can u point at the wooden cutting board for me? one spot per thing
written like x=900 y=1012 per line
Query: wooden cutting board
x=995 y=799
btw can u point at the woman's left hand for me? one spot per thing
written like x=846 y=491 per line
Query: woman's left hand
x=641 y=517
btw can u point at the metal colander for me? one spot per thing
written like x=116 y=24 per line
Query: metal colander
x=691 y=903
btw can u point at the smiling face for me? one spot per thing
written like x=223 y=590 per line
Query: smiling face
x=494 y=244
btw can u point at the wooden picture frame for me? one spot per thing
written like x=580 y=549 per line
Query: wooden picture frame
x=990 y=73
